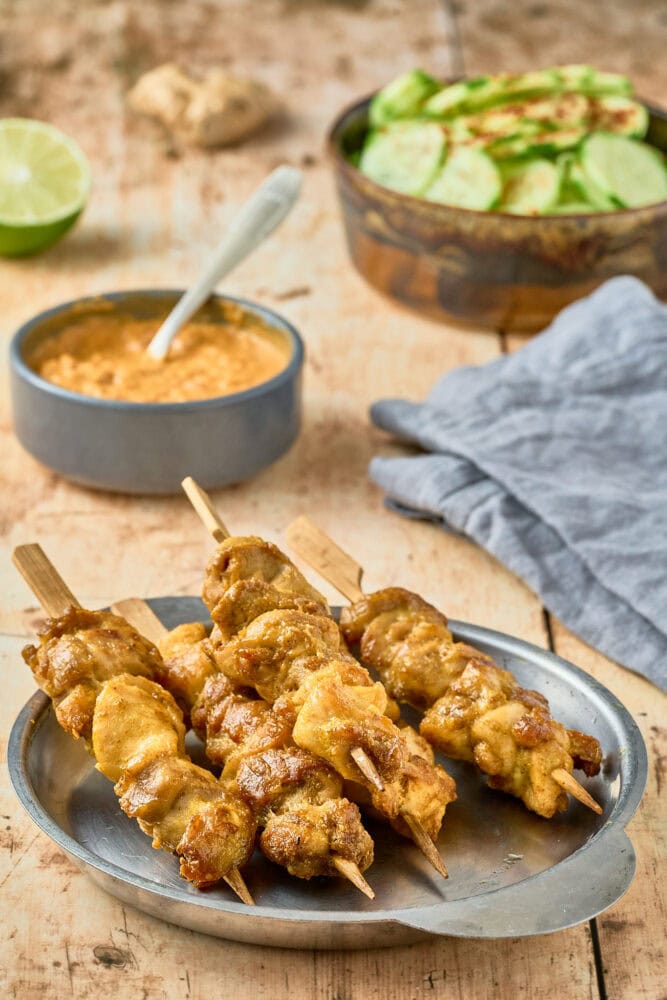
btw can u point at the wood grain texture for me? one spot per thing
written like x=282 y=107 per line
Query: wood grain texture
x=529 y=34
x=155 y=212
x=632 y=933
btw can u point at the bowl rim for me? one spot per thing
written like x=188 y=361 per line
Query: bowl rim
x=271 y=318
x=334 y=134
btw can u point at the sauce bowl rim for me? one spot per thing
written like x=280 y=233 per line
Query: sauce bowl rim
x=273 y=319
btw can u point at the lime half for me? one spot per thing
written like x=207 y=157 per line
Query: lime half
x=44 y=184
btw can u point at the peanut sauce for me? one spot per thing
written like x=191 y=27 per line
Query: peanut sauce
x=103 y=354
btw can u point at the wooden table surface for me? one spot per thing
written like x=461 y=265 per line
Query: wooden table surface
x=154 y=212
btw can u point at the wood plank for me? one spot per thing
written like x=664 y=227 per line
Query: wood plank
x=531 y=34
x=154 y=213
x=631 y=933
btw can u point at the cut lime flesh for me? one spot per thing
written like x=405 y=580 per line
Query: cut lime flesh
x=44 y=185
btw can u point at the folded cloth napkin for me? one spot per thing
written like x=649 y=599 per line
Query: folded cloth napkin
x=554 y=458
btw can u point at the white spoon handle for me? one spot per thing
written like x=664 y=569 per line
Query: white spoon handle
x=260 y=215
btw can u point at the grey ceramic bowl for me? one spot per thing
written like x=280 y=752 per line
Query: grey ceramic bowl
x=150 y=447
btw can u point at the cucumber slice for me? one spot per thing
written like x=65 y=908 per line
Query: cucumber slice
x=535 y=114
x=564 y=111
x=500 y=121
x=620 y=115
x=530 y=188
x=404 y=156
x=458 y=96
x=580 y=187
x=543 y=81
x=469 y=179
x=592 y=82
x=518 y=130
x=541 y=144
x=483 y=91
x=402 y=98
x=575 y=76
x=457 y=131
x=626 y=170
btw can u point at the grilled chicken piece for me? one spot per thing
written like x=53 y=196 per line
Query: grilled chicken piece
x=423 y=788
x=135 y=721
x=77 y=654
x=586 y=752
x=334 y=718
x=234 y=724
x=426 y=792
x=187 y=662
x=246 y=600
x=251 y=558
x=307 y=825
x=295 y=796
x=476 y=711
x=98 y=671
x=138 y=740
x=278 y=650
x=407 y=641
x=507 y=731
x=406 y=632
x=307 y=839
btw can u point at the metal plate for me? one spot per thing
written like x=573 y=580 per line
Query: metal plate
x=511 y=872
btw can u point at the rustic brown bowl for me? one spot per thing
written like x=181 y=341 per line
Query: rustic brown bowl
x=489 y=269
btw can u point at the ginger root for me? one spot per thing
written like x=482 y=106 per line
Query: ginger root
x=219 y=110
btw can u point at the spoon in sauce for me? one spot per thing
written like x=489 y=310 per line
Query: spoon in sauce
x=259 y=216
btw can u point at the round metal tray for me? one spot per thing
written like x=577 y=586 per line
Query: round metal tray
x=511 y=872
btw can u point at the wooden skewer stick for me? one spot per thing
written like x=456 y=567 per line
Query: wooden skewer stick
x=142 y=617
x=236 y=882
x=140 y=614
x=56 y=598
x=340 y=569
x=44 y=580
x=425 y=844
x=367 y=767
x=201 y=502
x=577 y=791
x=350 y=871
x=322 y=553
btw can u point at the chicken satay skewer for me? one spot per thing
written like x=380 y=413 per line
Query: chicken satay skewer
x=209 y=516
x=345 y=574
x=144 y=619
x=215 y=526
x=58 y=602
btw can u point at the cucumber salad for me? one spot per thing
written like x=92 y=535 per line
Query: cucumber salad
x=556 y=141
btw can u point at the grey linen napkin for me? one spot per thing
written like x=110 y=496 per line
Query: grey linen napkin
x=554 y=458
